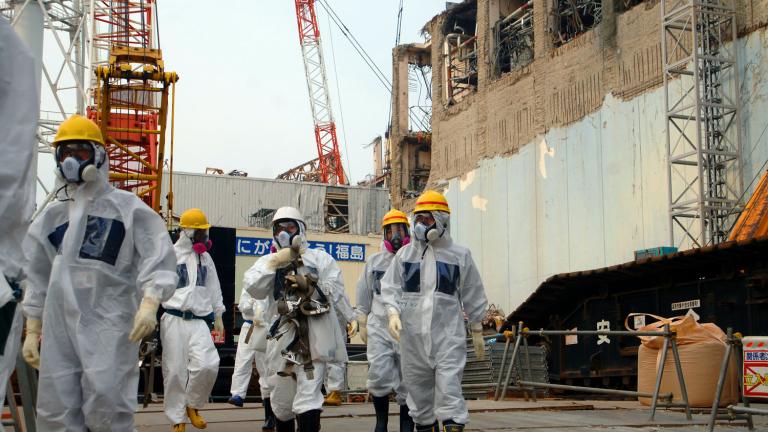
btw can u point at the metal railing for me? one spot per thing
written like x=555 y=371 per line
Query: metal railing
x=732 y=412
x=670 y=343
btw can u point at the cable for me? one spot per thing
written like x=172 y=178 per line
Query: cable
x=338 y=93
x=364 y=55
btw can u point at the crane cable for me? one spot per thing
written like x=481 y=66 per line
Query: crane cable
x=338 y=93
x=366 y=58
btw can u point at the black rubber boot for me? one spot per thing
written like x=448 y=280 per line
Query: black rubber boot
x=435 y=427
x=406 y=422
x=309 y=421
x=285 y=426
x=381 y=405
x=269 y=416
x=452 y=426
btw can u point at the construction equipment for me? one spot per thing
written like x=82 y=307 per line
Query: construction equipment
x=753 y=220
x=329 y=168
x=130 y=99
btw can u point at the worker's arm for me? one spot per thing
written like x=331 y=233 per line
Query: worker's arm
x=246 y=303
x=364 y=292
x=259 y=280
x=214 y=286
x=40 y=254
x=332 y=284
x=392 y=285
x=157 y=259
x=472 y=291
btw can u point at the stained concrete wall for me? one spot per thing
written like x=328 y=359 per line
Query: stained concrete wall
x=587 y=194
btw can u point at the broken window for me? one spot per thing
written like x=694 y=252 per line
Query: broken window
x=336 y=210
x=574 y=17
x=460 y=52
x=513 y=36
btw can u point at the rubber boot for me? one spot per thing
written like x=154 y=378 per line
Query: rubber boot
x=178 y=427
x=196 y=419
x=269 y=416
x=406 y=422
x=309 y=421
x=435 y=427
x=452 y=426
x=381 y=405
x=285 y=426
x=333 y=398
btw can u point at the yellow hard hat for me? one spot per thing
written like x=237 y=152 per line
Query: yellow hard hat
x=431 y=201
x=394 y=216
x=195 y=219
x=78 y=127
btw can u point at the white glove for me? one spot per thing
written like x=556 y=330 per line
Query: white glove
x=477 y=340
x=218 y=325
x=362 y=322
x=394 y=324
x=30 y=350
x=145 y=320
x=280 y=259
x=352 y=328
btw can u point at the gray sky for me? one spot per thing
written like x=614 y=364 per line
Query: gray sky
x=242 y=97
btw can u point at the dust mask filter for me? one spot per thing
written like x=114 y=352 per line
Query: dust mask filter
x=283 y=239
x=70 y=169
x=420 y=231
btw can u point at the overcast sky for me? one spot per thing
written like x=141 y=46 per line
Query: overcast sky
x=242 y=98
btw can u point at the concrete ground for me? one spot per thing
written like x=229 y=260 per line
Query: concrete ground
x=542 y=416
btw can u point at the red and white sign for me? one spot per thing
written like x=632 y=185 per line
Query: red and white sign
x=755 y=366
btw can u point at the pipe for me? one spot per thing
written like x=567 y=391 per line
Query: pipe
x=517 y=12
x=523 y=384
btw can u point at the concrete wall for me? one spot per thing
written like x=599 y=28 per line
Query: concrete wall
x=587 y=194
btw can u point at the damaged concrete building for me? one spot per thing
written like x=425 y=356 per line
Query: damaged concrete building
x=548 y=131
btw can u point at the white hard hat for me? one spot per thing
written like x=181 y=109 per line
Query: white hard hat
x=287 y=213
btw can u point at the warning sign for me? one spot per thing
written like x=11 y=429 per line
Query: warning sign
x=755 y=367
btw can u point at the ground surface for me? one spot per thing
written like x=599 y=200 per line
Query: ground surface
x=542 y=416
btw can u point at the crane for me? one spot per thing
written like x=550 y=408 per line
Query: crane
x=329 y=167
x=131 y=96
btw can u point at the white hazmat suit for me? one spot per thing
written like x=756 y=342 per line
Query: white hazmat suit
x=383 y=351
x=19 y=102
x=431 y=285
x=91 y=259
x=190 y=359
x=290 y=396
x=336 y=373
x=254 y=351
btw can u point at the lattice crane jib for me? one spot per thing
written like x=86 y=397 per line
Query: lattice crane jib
x=131 y=97
x=329 y=157
x=701 y=89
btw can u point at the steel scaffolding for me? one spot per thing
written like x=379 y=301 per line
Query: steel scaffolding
x=701 y=93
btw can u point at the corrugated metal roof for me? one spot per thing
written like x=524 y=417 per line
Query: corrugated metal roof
x=231 y=201
x=566 y=289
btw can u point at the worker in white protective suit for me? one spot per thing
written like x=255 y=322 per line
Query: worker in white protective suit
x=382 y=350
x=19 y=102
x=251 y=348
x=99 y=263
x=296 y=393
x=336 y=372
x=427 y=289
x=190 y=359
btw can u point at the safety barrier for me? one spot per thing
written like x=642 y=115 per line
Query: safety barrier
x=521 y=338
x=732 y=412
